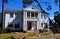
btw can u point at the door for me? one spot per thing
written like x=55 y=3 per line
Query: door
x=29 y=25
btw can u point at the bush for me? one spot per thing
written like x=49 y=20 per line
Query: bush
x=9 y=29
x=40 y=30
x=47 y=33
x=1 y=31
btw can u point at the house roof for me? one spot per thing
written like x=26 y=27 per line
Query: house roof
x=30 y=8
x=12 y=10
x=33 y=8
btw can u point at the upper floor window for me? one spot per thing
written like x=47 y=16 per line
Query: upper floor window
x=41 y=16
x=11 y=15
x=36 y=14
x=32 y=14
x=45 y=16
x=17 y=15
x=28 y=14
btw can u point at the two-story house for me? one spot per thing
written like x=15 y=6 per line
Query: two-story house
x=29 y=18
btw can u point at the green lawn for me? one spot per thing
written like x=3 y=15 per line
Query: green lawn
x=5 y=36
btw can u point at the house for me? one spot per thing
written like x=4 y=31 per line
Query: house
x=29 y=18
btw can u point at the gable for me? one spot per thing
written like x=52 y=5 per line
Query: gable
x=31 y=8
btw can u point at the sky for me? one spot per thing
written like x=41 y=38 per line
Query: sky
x=18 y=5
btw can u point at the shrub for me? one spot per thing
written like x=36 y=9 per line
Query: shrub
x=40 y=30
x=1 y=31
x=47 y=33
x=9 y=29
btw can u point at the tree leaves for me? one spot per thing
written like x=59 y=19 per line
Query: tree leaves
x=49 y=7
x=6 y=1
x=27 y=1
x=56 y=2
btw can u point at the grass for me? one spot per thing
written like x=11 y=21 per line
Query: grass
x=25 y=35
x=5 y=36
x=47 y=33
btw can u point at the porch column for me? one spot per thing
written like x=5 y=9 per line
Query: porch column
x=39 y=21
x=48 y=25
x=24 y=20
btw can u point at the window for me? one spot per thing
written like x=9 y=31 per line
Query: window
x=36 y=14
x=17 y=15
x=11 y=15
x=17 y=25
x=28 y=14
x=32 y=14
x=10 y=25
x=41 y=24
x=41 y=16
x=44 y=25
x=45 y=16
x=35 y=23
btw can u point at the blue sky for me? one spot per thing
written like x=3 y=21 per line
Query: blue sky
x=17 y=4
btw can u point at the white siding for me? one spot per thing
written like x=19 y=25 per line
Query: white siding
x=13 y=20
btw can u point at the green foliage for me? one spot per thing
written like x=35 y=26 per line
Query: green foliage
x=57 y=20
x=5 y=36
x=27 y=1
x=40 y=30
x=1 y=31
x=9 y=29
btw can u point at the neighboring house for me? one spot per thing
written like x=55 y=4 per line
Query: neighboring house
x=29 y=18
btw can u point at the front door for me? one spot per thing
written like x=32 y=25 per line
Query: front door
x=29 y=25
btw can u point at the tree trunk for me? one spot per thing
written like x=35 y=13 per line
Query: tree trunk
x=39 y=5
x=3 y=14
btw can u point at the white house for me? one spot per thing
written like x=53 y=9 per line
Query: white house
x=29 y=18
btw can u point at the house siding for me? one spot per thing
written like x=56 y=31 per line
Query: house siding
x=23 y=20
x=14 y=20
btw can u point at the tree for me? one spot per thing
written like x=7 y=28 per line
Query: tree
x=3 y=3
x=3 y=7
x=25 y=2
x=57 y=17
x=57 y=20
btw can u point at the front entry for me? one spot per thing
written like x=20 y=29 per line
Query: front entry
x=29 y=25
